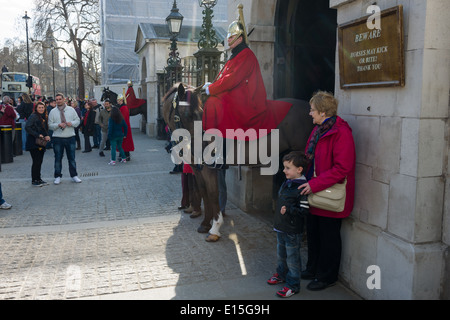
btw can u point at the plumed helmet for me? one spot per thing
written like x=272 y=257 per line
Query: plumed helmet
x=130 y=82
x=237 y=27
x=120 y=97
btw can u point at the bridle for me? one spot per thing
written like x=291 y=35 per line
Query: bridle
x=175 y=108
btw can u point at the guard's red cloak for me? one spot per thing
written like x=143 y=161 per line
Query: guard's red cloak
x=132 y=101
x=238 y=98
x=128 y=143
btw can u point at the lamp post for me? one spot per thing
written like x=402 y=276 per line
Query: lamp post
x=208 y=56
x=174 y=21
x=53 y=71
x=208 y=39
x=65 y=79
x=172 y=72
x=29 y=80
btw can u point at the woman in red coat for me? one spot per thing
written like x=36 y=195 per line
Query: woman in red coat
x=238 y=97
x=331 y=149
x=128 y=143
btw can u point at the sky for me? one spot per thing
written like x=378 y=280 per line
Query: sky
x=11 y=23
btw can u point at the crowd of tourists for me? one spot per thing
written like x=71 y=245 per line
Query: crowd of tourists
x=58 y=122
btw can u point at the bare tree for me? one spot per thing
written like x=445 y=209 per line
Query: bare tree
x=76 y=29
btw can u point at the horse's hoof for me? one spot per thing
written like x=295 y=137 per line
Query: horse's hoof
x=203 y=229
x=212 y=238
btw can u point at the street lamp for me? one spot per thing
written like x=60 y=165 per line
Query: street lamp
x=172 y=72
x=174 y=21
x=29 y=80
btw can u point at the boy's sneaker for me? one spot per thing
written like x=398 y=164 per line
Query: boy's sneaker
x=76 y=179
x=36 y=184
x=5 y=206
x=123 y=161
x=112 y=163
x=57 y=180
x=275 y=279
x=286 y=292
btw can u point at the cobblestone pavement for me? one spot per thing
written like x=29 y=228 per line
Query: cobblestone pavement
x=119 y=235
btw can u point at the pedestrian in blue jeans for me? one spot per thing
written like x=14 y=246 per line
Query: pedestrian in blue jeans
x=63 y=120
x=117 y=130
x=292 y=207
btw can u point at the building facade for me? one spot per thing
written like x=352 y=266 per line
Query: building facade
x=398 y=234
x=400 y=225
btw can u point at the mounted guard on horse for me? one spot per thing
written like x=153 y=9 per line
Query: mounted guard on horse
x=235 y=100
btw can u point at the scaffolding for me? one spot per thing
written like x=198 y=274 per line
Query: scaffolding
x=119 y=20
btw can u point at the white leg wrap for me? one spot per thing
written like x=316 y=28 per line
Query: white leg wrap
x=216 y=225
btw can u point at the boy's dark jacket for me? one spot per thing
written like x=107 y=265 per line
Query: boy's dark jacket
x=296 y=207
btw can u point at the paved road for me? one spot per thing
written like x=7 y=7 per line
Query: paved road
x=119 y=235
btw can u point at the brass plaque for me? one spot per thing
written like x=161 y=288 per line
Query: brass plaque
x=372 y=57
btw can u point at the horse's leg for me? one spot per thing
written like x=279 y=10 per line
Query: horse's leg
x=210 y=176
x=202 y=190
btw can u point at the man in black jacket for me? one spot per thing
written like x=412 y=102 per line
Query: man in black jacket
x=292 y=207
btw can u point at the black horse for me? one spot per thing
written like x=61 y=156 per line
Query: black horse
x=112 y=96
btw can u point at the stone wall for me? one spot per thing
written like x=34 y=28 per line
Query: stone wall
x=401 y=217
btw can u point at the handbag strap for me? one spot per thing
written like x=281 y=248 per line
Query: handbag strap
x=345 y=180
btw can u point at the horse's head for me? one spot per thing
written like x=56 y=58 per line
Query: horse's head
x=181 y=107
x=108 y=94
x=104 y=94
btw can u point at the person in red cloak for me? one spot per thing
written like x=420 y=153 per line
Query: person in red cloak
x=237 y=97
x=132 y=101
x=127 y=144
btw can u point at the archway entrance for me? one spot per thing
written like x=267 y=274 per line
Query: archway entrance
x=305 y=48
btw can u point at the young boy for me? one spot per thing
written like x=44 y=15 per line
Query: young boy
x=289 y=222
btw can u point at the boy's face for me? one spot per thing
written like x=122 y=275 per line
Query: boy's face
x=291 y=171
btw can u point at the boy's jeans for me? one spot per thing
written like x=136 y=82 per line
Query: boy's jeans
x=289 y=260
x=59 y=145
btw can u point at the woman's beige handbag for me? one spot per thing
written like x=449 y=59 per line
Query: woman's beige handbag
x=331 y=199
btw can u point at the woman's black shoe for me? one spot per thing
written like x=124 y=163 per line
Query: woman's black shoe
x=317 y=285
